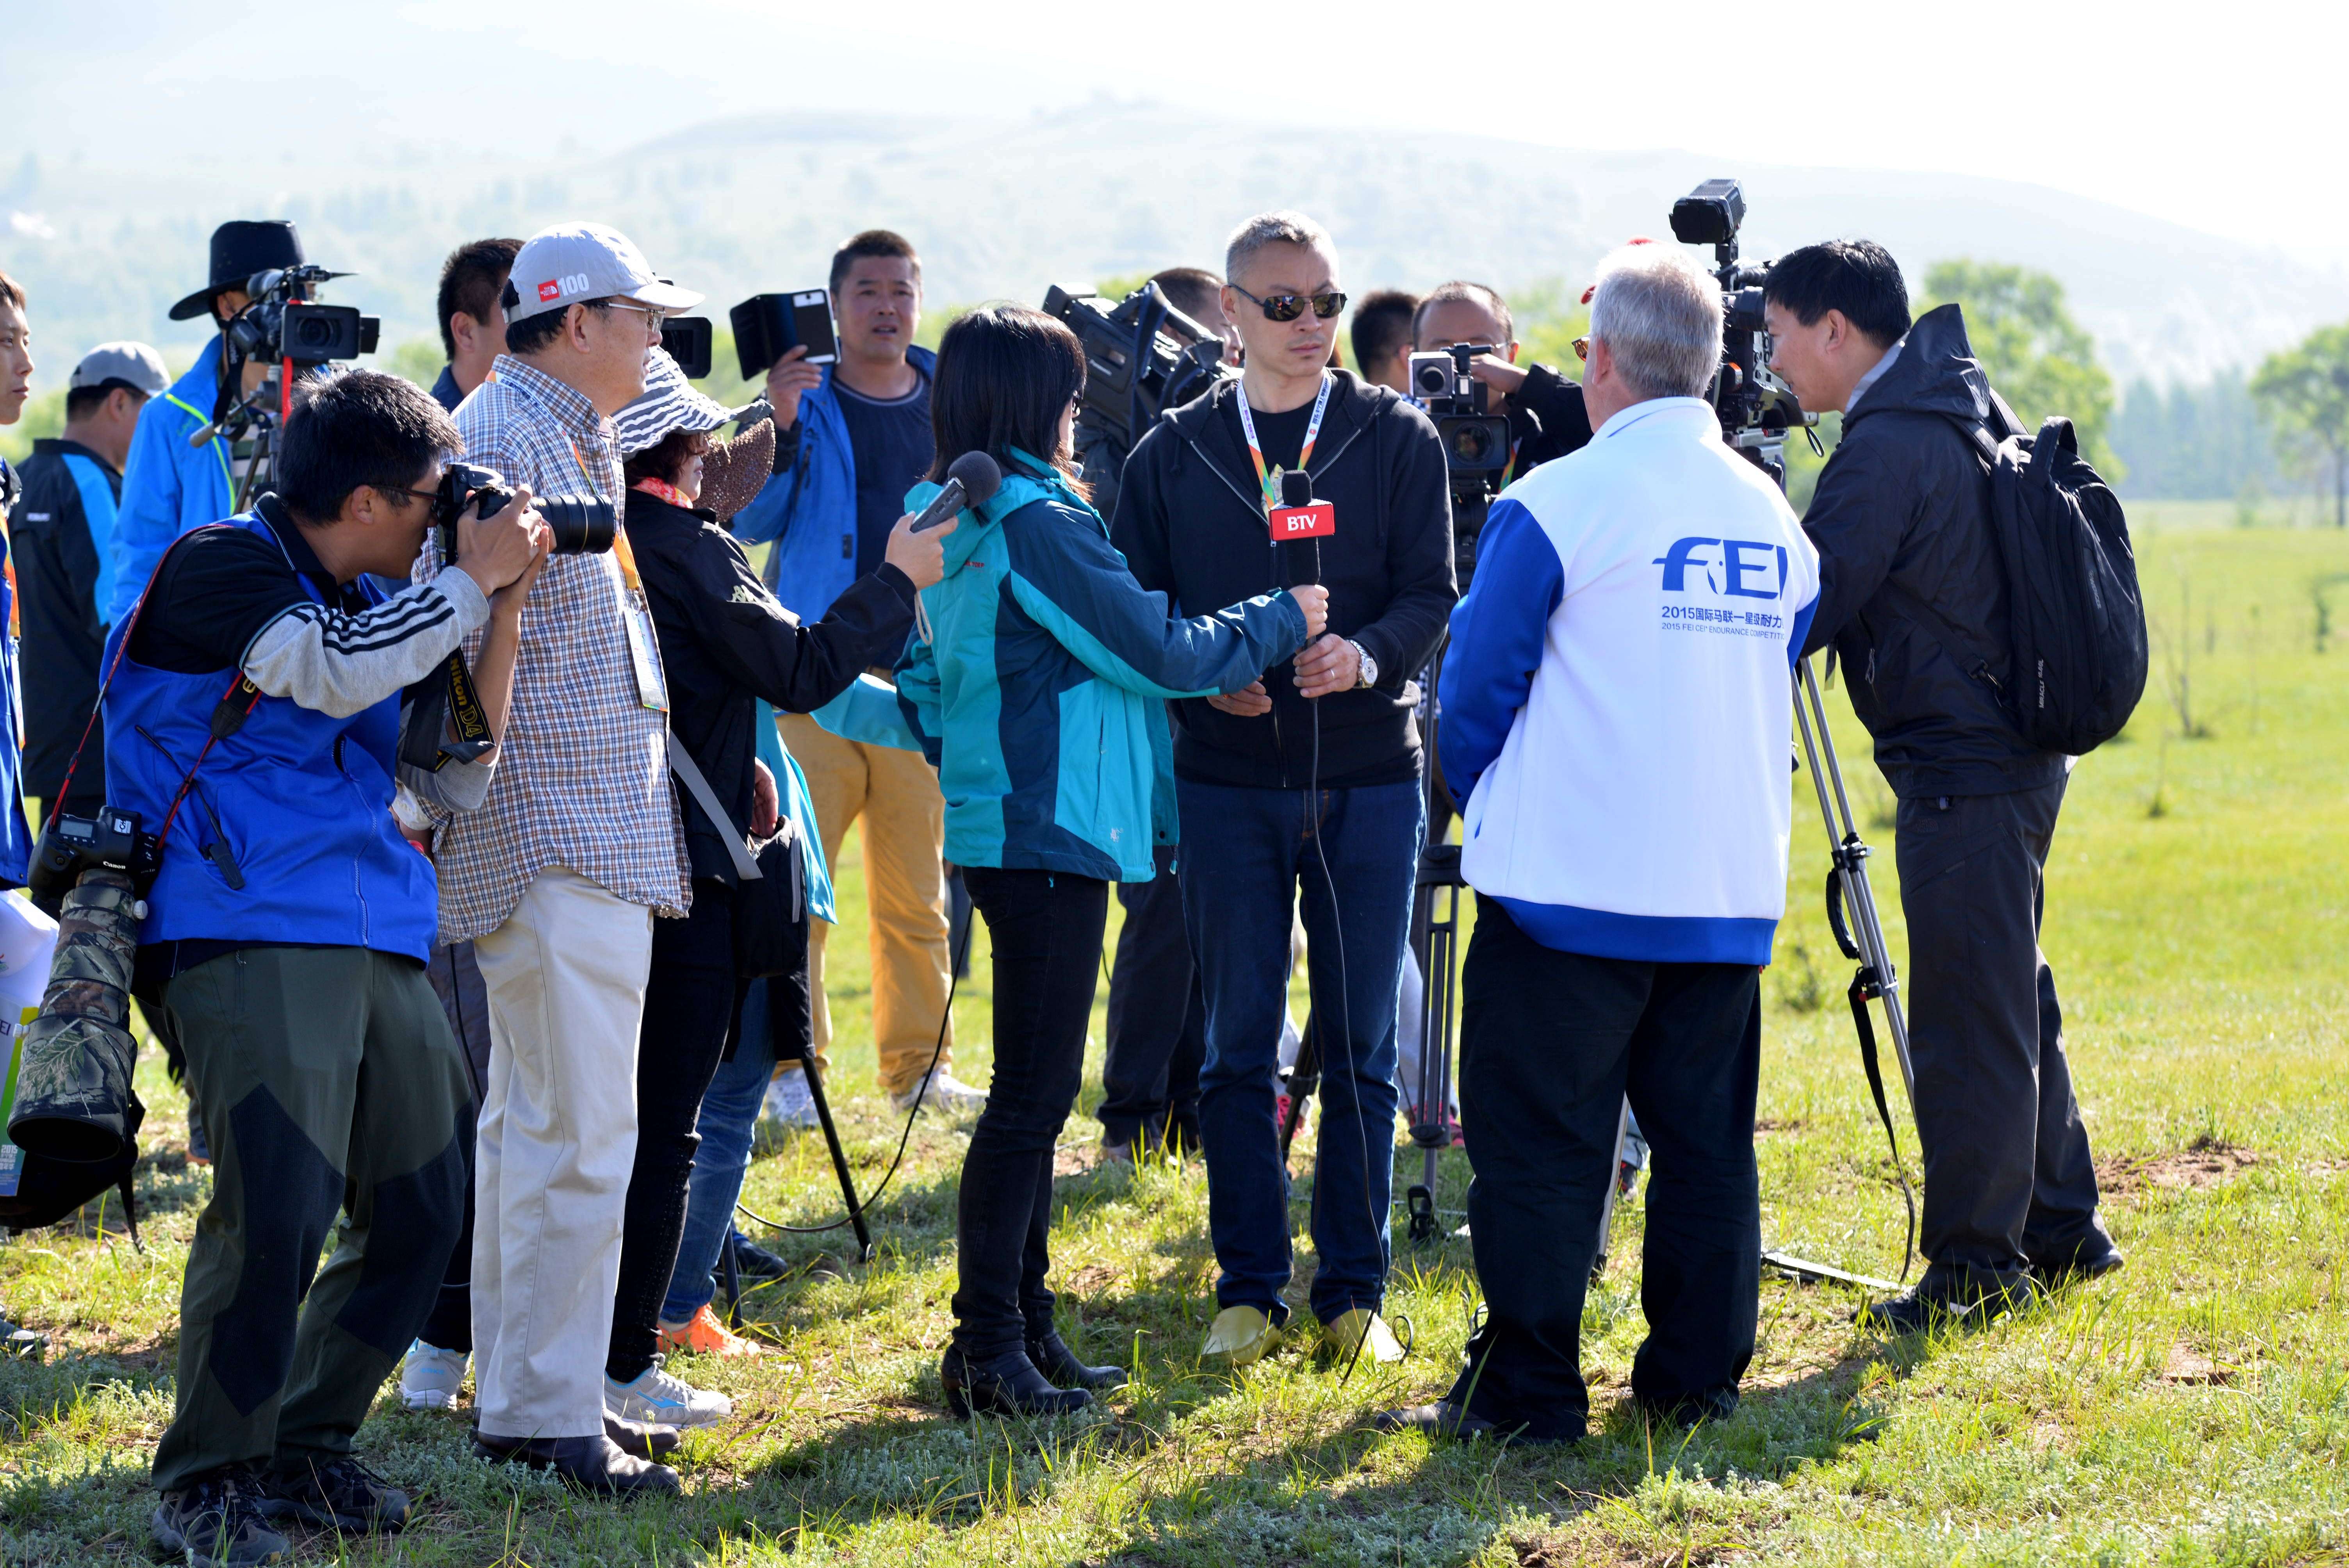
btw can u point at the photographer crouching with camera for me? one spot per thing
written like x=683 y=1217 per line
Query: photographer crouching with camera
x=1307 y=779
x=1913 y=598
x=286 y=932
x=1615 y=717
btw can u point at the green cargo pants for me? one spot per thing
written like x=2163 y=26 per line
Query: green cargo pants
x=328 y=1081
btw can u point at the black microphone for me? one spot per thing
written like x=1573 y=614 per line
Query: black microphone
x=972 y=479
x=1297 y=491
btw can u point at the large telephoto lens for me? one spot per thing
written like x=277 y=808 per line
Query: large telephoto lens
x=583 y=524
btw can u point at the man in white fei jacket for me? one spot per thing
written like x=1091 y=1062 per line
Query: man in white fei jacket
x=1616 y=717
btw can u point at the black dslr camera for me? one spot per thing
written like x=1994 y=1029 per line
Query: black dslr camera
x=583 y=524
x=1757 y=409
x=108 y=840
x=282 y=323
x=1475 y=442
x=1142 y=357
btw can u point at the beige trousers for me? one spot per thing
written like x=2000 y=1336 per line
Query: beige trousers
x=565 y=978
x=896 y=795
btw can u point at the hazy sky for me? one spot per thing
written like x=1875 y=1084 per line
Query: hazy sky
x=2222 y=118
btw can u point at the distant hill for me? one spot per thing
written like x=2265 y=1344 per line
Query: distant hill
x=1000 y=210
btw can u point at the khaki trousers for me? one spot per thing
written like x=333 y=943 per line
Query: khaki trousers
x=565 y=976
x=897 y=794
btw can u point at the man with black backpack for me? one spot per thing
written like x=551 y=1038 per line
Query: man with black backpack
x=1913 y=597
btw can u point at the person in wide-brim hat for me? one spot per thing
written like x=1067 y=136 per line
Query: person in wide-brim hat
x=241 y=248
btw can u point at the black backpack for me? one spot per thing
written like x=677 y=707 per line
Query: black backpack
x=2076 y=622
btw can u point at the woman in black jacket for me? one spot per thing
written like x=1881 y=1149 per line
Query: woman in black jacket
x=726 y=645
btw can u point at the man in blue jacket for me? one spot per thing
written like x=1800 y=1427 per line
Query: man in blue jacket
x=286 y=931
x=168 y=485
x=1615 y=717
x=851 y=440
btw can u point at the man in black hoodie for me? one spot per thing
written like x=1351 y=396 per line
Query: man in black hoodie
x=1308 y=779
x=1913 y=599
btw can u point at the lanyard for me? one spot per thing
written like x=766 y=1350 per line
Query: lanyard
x=1270 y=481
x=621 y=553
x=1509 y=470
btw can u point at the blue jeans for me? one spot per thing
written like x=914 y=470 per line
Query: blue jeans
x=730 y=1114
x=1246 y=854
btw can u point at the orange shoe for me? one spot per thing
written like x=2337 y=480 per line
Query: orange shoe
x=705 y=1335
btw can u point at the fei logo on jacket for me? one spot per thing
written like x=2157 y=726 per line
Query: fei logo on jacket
x=1731 y=569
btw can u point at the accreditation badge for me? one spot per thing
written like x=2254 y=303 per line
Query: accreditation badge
x=643 y=652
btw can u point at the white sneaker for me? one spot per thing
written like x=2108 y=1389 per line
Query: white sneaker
x=658 y=1398
x=945 y=1093
x=789 y=1105
x=431 y=1379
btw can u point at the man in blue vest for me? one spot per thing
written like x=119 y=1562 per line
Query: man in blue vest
x=170 y=487
x=63 y=534
x=259 y=690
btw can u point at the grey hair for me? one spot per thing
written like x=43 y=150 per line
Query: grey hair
x=1282 y=228
x=1658 y=314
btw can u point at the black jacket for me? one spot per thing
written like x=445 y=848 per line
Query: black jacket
x=1911 y=592
x=724 y=641
x=1547 y=418
x=1191 y=523
x=64 y=624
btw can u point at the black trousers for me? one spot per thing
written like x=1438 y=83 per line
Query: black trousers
x=692 y=1001
x=1157 y=1021
x=457 y=981
x=2010 y=1181
x=1046 y=927
x=1550 y=1045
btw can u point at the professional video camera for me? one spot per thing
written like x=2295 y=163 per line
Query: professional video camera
x=283 y=328
x=1142 y=357
x=1756 y=408
x=1475 y=442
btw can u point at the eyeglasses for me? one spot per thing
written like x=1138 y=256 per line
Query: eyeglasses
x=403 y=490
x=1288 y=306
x=1582 y=349
x=653 y=318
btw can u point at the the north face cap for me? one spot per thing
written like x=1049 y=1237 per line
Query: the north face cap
x=569 y=263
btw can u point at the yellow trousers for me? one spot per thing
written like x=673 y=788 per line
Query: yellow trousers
x=897 y=796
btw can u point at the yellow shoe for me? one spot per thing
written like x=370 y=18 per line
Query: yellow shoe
x=1240 y=1336
x=705 y=1335
x=1362 y=1335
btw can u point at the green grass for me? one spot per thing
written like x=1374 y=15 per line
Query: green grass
x=2192 y=1409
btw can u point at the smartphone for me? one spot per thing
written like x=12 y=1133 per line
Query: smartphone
x=768 y=326
x=688 y=340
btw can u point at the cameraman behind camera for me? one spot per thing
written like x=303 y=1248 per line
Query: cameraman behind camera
x=1913 y=599
x=1545 y=410
x=286 y=932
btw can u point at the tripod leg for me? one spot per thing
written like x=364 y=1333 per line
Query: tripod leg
x=730 y=1277
x=839 y=1158
x=1614 y=1186
x=1304 y=1082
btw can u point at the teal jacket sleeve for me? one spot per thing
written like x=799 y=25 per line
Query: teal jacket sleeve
x=869 y=712
x=1072 y=582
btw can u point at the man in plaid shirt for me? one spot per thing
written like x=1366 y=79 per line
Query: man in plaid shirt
x=557 y=878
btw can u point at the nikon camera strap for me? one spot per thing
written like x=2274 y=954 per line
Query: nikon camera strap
x=443 y=702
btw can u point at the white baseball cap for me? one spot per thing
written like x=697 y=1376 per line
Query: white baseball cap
x=570 y=262
x=133 y=364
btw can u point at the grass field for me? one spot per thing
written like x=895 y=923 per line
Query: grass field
x=2192 y=1409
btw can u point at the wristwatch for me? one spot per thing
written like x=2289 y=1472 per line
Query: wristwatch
x=1369 y=673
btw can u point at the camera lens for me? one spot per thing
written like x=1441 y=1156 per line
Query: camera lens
x=1435 y=380
x=1475 y=445
x=583 y=524
x=312 y=332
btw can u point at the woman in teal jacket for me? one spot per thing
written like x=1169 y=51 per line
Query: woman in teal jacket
x=1034 y=682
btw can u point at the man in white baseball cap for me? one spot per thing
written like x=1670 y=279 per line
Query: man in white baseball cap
x=557 y=878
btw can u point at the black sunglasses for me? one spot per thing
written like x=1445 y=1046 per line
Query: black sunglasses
x=1289 y=307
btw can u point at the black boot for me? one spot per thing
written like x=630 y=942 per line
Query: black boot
x=1059 y=1363
x=1007 y=1385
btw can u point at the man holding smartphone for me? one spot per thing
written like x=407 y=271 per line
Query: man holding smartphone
x=851 y=437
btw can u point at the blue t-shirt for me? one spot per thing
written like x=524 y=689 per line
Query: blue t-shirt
x=893 y=451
